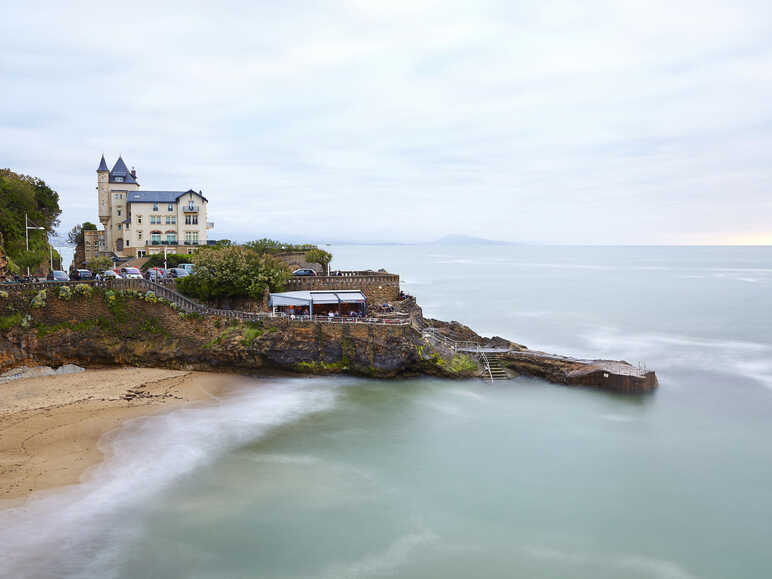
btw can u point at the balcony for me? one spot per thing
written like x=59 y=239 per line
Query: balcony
x=210 y=224
x=191 y=242
x=161 y=242
x=190 y=208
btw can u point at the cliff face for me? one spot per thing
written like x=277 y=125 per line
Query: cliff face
x=127 y=330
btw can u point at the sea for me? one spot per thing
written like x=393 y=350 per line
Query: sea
x=342 y=477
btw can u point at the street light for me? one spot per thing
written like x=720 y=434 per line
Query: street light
x=26 y=237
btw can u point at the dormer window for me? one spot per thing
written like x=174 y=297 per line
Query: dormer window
x=155 y=206
x=119 y=179
x=171 y=207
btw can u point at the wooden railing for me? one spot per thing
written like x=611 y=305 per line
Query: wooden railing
x=188 y=305
x=347 y=279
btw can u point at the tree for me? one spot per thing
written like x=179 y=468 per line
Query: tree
x=97 y=264
x=30 y=259
x=22 y=195
x=75 y=235
x=233 y=271
x=272 y=246
x=319 y=256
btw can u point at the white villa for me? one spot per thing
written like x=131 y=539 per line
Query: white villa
x=140 y=223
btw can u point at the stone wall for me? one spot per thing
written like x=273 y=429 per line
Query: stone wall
x=377 y=287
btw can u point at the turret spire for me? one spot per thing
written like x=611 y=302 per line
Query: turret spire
x=102 y=165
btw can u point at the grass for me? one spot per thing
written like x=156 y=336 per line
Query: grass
x=9 y=321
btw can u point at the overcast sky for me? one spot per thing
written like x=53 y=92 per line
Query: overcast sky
x=558 y=122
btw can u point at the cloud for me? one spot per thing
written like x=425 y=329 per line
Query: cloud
x=605 y=122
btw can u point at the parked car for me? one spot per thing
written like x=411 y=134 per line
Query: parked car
x=187 y=267
x=177 y=272
x=130 y=273
x=80 y=274
x=57 y=275
x=107 y=274
x=304 y=271
x=155 y=274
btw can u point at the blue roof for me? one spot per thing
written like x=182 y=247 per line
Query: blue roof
x=120 y=170
x=102 y=165
x=158 y=196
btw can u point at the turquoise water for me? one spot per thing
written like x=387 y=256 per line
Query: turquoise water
x=343 y=477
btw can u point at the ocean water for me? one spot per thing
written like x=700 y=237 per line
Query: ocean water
x=341 y=477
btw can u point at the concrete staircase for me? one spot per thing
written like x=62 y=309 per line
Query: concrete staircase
x=493 y=367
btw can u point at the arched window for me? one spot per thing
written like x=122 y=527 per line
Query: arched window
x=155 y=237
x=171 y=237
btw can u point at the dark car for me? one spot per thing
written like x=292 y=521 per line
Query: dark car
x=177 y=272
x=57 y=275
x=304 y=272
x=80 y=274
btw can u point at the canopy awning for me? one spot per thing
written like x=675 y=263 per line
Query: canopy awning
x=307 y=298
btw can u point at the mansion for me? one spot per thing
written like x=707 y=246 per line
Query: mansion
x=141 y=223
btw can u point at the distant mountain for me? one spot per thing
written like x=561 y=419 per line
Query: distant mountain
x=468 y=240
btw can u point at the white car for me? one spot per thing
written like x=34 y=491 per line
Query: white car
x=107 y=274
x=130 y=273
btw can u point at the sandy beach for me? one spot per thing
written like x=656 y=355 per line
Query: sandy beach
x=50 y=426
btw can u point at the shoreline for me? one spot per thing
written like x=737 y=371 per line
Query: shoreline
x=51 y=426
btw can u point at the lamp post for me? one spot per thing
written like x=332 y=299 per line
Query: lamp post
x=26 y=237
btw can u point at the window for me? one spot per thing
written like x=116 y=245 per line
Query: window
x=174 y=220
x=155 y=237
x=119 y=179
x=120 y=227
x=195 y=220
x=171 y=237
x=191 y=220
x=119 y=211
x=155 y=220
x=155 y=206
x=171 y=220
x=115 y=196
x=128 y=243
x=139 y=219
x=139 y=235
x=191 y=237
x=187 y=220
x=171 y=206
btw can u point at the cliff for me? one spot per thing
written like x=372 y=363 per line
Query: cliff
x=92 y=326
x=102 y=330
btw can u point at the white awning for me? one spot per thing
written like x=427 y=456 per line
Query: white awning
x=306 y=298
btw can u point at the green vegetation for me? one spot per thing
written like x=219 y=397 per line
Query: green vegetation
x=83 y=290
x=270 y=246
x=315 y=367
x=319 y=256
x=233 y=271
x=65 y=293
x=252 y=331
x=3 y=295
x=11 y=320
x=458 y=364
x=39 y=301
x=20 y=195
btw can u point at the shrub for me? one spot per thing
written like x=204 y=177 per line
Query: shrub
x=3 y=295
x=26 y=320
x=65 y=293
x=10 y=321
x=39 y=301
x=83 y=290
x=110 y=297
x=150 y=297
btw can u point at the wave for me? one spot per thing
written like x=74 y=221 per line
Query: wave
x=78 y=532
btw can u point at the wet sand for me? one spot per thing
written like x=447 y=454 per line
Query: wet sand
x=50 y=426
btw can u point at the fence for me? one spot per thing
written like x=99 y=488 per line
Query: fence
x=188 y=305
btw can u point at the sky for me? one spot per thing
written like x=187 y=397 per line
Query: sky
x=595 y=122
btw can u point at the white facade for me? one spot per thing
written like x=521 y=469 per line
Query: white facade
x=139 y=223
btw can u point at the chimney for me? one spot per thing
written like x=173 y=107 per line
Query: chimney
x=133 y=172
